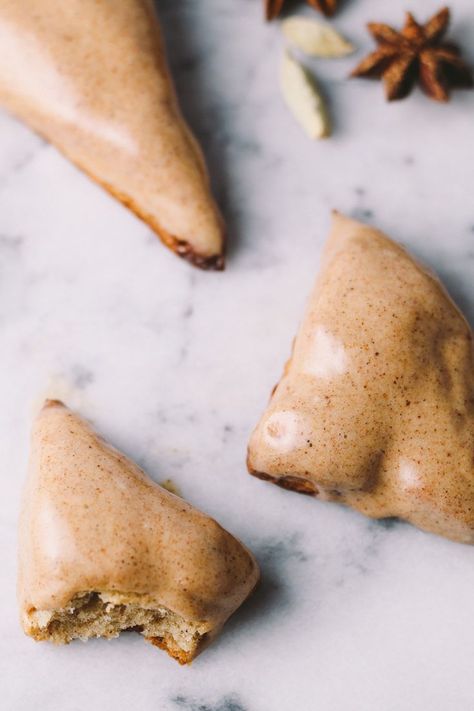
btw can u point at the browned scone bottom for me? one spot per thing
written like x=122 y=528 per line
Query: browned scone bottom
x=183 y=249
x=291 y=483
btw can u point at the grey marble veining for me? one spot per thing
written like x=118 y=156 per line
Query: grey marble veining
x=174 y=366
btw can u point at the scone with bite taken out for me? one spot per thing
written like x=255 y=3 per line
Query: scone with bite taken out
x=104 y=549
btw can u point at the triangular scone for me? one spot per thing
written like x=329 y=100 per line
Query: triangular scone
x=91 y=76
x=376 y=405
x=103 y=548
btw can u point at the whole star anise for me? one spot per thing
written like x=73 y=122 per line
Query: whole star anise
x=274 y=7
x=416 y=54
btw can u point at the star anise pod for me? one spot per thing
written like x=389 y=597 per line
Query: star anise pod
x=417 y=54
x=274 y=7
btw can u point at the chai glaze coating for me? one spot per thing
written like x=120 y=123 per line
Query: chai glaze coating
x=103 y=548
x=91 y=76
x=376 y=405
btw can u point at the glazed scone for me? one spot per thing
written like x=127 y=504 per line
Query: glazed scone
x=103 y=548
x=375 y=408
x=91 y=76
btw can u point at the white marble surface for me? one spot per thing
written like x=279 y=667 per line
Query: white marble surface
x=174 y=366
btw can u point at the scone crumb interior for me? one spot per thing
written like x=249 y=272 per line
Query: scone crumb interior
x=106 y=614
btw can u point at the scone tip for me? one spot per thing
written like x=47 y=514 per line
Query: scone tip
x=215 y=263
x=52 y=402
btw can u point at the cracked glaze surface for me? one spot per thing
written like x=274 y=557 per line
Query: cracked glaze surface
x=376 y=405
